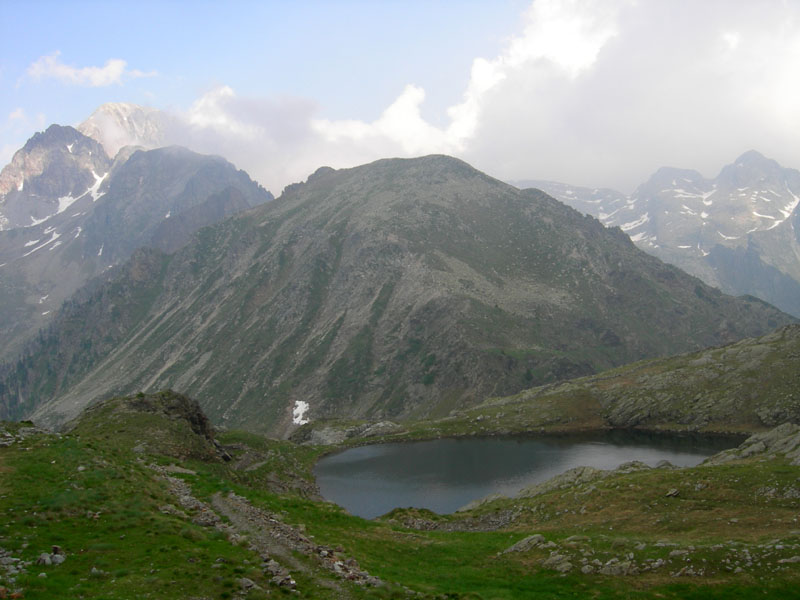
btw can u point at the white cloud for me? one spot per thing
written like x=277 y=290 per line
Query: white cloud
x=18 y=114
x=565 y=35
x=213 y=110
x=51 y=67
x=401 y=124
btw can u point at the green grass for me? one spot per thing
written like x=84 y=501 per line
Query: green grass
x=105 y=517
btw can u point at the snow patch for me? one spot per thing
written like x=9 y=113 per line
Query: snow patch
x=31 y=243
x=606 y=216
x=96 y=186
x=69 y=147
x=21 y=185
x=789 y=208
x=167 y=216
x=638 y=237
x=299 y=412
x=728 y=237
x=43 y=298
x=634 y=224
x=100 y=252
x=52 y=239
x=35 y=221
x=684 y=247
x=704 y=215
x=755 y=214
x=64 y=203
x=78 y=230
x=45 y=313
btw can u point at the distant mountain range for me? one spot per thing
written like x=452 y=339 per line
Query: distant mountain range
x=68 y=213
x=402 y=288
x=739 y=231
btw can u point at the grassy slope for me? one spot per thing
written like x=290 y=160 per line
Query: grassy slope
x=46 y=499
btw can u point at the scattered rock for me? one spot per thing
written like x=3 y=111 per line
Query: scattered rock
x=558 y=562
x=616 y=567
x=247 y=584
x=525 y=544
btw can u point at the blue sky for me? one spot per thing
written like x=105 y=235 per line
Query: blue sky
x=351 y=58
x=593 y=92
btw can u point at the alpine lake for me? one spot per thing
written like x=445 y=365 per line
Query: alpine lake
x=444 y=475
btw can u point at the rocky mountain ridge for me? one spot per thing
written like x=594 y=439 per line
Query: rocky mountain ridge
x=737 y=231
x=71 y=213
x=402 y=288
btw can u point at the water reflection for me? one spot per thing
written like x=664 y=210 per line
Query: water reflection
x=445 y=474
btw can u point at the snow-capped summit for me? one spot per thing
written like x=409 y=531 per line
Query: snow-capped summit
x=735 y=231
x=118 y=124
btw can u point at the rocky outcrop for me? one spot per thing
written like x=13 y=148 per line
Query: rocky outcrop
x=579 y=476
x=783 y=440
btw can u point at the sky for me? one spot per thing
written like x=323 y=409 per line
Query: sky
x=597 y=93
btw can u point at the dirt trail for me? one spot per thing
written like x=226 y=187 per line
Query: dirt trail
x=273 y=538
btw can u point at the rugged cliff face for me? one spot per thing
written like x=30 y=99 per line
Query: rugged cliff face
x=403 y=288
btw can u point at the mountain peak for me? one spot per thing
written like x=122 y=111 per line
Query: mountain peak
x=750 y=168
x=58 y=148
x=118 y=124
x=54 y=134
x=752 y=157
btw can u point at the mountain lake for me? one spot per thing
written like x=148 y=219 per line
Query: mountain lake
x=445 y=474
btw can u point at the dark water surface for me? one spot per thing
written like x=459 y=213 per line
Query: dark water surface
x=444 y=475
